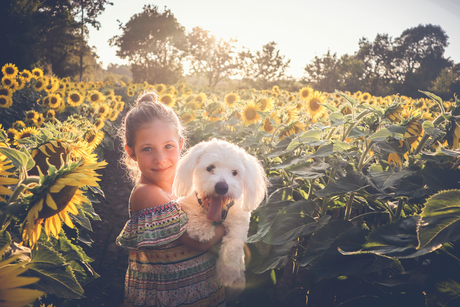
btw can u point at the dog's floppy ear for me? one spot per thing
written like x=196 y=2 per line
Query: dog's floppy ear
x=255 y=183
x=183 y=180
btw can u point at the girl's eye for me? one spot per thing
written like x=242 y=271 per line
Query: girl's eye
x=210 y=168
x=147 y=149
x=168 y=146
x=234 y=173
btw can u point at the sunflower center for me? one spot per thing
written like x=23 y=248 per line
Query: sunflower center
x=250 y=113
x=305 y=93
x=3 y=101
x=61 y=199
x=75 y=97
x=231 y=99
x=9 y=70
x=314 y=105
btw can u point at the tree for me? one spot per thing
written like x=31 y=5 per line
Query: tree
x=154 y=43
x=323 y=73
x=215 y=59
x=42 y=33
x=265 y=66
x=93 y=8
x=378 y=57
x=419 y=58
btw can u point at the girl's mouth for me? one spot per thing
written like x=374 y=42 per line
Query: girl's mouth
x=160 y=170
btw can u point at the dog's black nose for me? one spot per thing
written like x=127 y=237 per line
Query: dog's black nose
x=221 y=187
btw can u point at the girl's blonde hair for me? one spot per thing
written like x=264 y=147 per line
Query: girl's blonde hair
x=146 y=111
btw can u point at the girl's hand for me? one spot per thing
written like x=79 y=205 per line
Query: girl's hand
x=219 y=231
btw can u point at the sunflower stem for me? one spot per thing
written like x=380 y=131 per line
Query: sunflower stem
x=399 y=209
x=363 y=156
x=17 y=192
x=324 y=206
x=426 y=136
x=349 y=206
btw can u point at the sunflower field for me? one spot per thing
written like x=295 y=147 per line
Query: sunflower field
x=363 y=204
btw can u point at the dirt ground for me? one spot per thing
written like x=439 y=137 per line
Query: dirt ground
x=110 y=261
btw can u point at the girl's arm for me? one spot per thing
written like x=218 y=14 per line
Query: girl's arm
x=203 y=246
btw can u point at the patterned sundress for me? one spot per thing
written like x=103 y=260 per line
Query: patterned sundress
x=161 y=271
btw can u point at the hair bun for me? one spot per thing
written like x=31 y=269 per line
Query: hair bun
x=147 y=98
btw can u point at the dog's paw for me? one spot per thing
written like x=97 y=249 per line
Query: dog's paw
x=229 y=276
x=200 y=234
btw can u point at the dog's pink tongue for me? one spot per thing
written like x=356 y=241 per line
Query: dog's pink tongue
x=215 y=209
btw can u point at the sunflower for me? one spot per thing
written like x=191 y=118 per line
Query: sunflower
x=50 y=114
x=250 y=114
x=52 y=152
x=365 y=97
x=393 y=113
x=130 y=92
x=114 y=115
x=25 y=133
x=192 y=105
x=214 y=111
x=37 y=72
x=75 y=98
x=102 y=110
x=12 y=295
x=93 y=138
x=11 y=133
x=10 y=70
x=98 y=122
x=201 y=97
x=6 y=91
x=40 y=84
x=395 y=159
x=20 y=83
x=293 y=128
x=8 y=81
x=231 y=99
x=19 y=124
x=269 y=121
x=6 y=178
x=167 y=99
x=290 y=114
x=187 y=117
x=305 y=93
x=32 y=115
x=5 y=101
x=159 y=88
x=57 y=195
x=95 y=96
x=40 y=120
x=314 y=107
x=54 y=101
x=265 y=104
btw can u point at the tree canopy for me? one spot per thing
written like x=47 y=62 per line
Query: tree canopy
x=154 y=43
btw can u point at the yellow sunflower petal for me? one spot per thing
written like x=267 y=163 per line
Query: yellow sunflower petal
x=50 y=202
x=65 y=217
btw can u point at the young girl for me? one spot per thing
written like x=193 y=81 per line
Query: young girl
x=166 y=267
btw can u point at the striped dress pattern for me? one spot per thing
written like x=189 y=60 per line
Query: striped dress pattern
x=161 y=271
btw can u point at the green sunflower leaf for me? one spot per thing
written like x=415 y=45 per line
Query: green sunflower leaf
x=18 y=158
x=5 y=241
x=440 y=219
x=56 y=275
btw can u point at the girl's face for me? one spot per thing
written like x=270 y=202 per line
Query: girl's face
x=156 y=150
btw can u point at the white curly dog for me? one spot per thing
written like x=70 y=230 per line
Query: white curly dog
x=217 y=181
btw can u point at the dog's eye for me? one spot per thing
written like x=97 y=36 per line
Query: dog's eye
x=234 y=173
x=210 y=168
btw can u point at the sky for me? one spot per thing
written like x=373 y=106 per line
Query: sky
x=302 y=29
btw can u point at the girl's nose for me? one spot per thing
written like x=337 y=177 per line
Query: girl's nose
x=159 y=158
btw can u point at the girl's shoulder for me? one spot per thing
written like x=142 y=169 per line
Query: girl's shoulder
x=147 y=196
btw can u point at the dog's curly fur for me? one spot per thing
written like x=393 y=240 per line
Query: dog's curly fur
x=198 y=172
